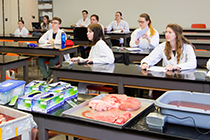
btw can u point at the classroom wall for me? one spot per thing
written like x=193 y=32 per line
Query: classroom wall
x=28 y=8
x=162 y=12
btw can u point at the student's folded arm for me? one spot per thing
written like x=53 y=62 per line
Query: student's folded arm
x=133 y=39
x=154 y=57
x=191 y=62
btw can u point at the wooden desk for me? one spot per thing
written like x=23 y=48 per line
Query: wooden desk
x=196 y=30
x=192 y=35
x=50 y=51
x=12 y=62
x=120 y=35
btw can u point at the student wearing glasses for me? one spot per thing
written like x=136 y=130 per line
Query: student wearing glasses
x=52 y=36
x=177 y=53
x=150 y=39
x=21 y=31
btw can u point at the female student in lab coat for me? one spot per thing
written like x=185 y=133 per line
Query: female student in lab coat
x=150 y=39
x=177 y=52
x=21 y=31
x=46 y=25
x=118 y=26
x=100 y=51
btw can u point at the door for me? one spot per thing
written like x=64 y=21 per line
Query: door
x=10 y=16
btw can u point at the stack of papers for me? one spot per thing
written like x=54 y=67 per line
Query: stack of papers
x=133 y=49
x=141 y=33
x=157 y=68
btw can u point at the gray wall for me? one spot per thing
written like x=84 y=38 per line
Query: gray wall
x=162 y=12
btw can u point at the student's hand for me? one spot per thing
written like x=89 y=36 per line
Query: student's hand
x=137 y=41
x=81 y=25
x=75 y=59
x=144 y=66
x=105 y=29
x=51 y=41
x=74 y=25
x=121 y=30
x=145 y=36
x=170 y=68
x=90 y=60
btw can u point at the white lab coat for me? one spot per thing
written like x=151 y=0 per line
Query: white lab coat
x=102 y=27
x=187 y=60
x=24 y=32
x=144 y=42
x=208 y=65
x=46 y=27
x=123 y=24
x=101 y=53
x=49 y=35
x=81 y=22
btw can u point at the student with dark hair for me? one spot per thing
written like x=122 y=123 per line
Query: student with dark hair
x=150 y=39
x=46 y=25
x=85 y=21
x=100 y=51
x=95 y=19
x=177 y=53
x=118 y=24
x=52 y=36
x=21 y=31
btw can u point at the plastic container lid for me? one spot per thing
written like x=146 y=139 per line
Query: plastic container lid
x=10 y=84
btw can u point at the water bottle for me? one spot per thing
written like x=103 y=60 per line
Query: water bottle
x=63 y=40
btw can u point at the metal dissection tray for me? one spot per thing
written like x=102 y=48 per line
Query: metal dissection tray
x=76 y=112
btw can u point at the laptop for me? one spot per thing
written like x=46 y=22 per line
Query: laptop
x=80 y=33
x=36 y=25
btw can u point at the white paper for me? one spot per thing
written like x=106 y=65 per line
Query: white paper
x=208 y=74
x=133 y=49
x=141 y=33
x=67 y=57
x=116 y=31
x=157 y=68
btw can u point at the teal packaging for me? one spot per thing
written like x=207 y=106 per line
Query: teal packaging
x=69 y=92
x=25 y=102
x=47 y=102
x=48 y=87
x=34 y=86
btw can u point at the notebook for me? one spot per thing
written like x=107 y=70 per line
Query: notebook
x=80 y=33
x=36 y=25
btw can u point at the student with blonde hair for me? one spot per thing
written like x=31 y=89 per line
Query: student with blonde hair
x=150 y=39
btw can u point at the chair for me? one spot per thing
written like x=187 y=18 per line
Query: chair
x=198 y=25
x=99 y=89
x=5 y=40
x=200 y=50
x=13 y=54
